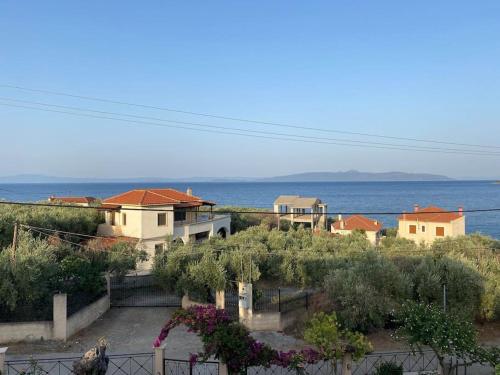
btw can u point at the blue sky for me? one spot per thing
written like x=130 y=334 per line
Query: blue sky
x=421 y=69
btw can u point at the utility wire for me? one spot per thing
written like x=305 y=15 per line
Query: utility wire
x=468 y=152
x=222 y=211
x=111 y=101
x=240 y=129
x=197 y=251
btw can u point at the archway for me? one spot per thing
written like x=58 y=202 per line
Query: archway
x=222 y=232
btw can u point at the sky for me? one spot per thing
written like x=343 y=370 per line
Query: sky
x=422 y=70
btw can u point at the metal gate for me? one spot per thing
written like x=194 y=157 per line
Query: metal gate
x=141 y=291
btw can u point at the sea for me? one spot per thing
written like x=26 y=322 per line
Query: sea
x=341 y=197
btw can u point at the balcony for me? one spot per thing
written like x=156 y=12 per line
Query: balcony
x=203 y=223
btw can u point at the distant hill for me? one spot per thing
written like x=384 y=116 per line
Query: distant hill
x=351 y=175
x=354 y=175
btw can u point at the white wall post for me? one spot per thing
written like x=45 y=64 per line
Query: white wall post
x=245 y=303
x=3 y=352
x=60 y=316
x=347 y=364
x=159 y=360
x=220 y=299
x=223 y=369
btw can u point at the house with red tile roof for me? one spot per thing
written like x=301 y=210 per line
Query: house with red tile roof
x=79 y=201
x=371 y=227
x=150 y=215
x=431 y=223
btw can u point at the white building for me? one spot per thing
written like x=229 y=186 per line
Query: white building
x=302 y=210
x=150 y=215
x=371 y=227
x=430 y=223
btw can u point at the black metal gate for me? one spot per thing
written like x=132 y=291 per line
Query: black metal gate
x=141 y=291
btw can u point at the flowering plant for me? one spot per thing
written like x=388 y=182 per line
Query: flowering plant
x=231 y=342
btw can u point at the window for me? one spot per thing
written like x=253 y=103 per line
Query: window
x=413 y=229
x=124 y=219
x=440 y=231
x=179 y=215
x=113 y=218
x=162 y=220
x=423 y=228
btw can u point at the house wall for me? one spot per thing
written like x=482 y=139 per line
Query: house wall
x=372 y=236
x=452 y=229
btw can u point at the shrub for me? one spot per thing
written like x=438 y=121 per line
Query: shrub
x=464 y=286
x=389 y=368
x=366 y=291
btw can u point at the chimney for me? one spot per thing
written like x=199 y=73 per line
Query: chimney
x=461 y=211
x=339 y=217
x=404 y=215
x=342 y=224
x=415 y=208
x=375 y=222
x=189 y=191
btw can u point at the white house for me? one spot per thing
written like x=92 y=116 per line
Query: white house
x=150 y=215
x=430 y=223
x=302 y=210
x=371 y=227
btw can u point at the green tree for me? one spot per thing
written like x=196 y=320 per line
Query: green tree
x=325 y=332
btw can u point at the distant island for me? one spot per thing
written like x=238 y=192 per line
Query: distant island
x=357 y=176
x=346 y=176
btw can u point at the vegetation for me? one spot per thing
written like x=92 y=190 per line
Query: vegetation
x=38 y=268
x=325 y=333
x=446 y=334
x=83 y=221
x=366 y=284
x=389 y=368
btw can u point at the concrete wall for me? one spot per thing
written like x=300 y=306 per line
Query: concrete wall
x=25 y=332
x=86 y=316
x=60 y=328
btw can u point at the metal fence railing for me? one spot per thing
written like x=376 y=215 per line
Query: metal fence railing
x=129 y=364
x=141 y=291
x=280 y=300
x=27 y=311
x=180 y=367
x=411 y=362
x=78 y=300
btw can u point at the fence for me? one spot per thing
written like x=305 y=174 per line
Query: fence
x=130 y=364
x=25 y=311
x=279 y=300
x=180 y=367
x=144 y=363
x=141 y=291
x=79 y=300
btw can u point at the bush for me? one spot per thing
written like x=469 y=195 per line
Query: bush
x=389 y=368
x=367 y=291
x=464 y=286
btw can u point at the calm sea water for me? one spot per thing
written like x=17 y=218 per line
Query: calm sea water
x=340 y=196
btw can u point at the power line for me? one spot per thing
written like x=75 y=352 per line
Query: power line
x=242 y=130
x=196 y=251
x=222 y=211
x=413 y=148
x=111 y=101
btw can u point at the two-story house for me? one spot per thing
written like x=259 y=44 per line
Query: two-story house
x=308 y=211
x=371 y=227
x=150 y=215
x=430 y=223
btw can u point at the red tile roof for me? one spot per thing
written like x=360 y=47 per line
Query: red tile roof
x=72 y=199
x=359 y=222
x=156 y=197
x=431 y=214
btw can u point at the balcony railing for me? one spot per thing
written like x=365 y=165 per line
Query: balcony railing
x=200 y=218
